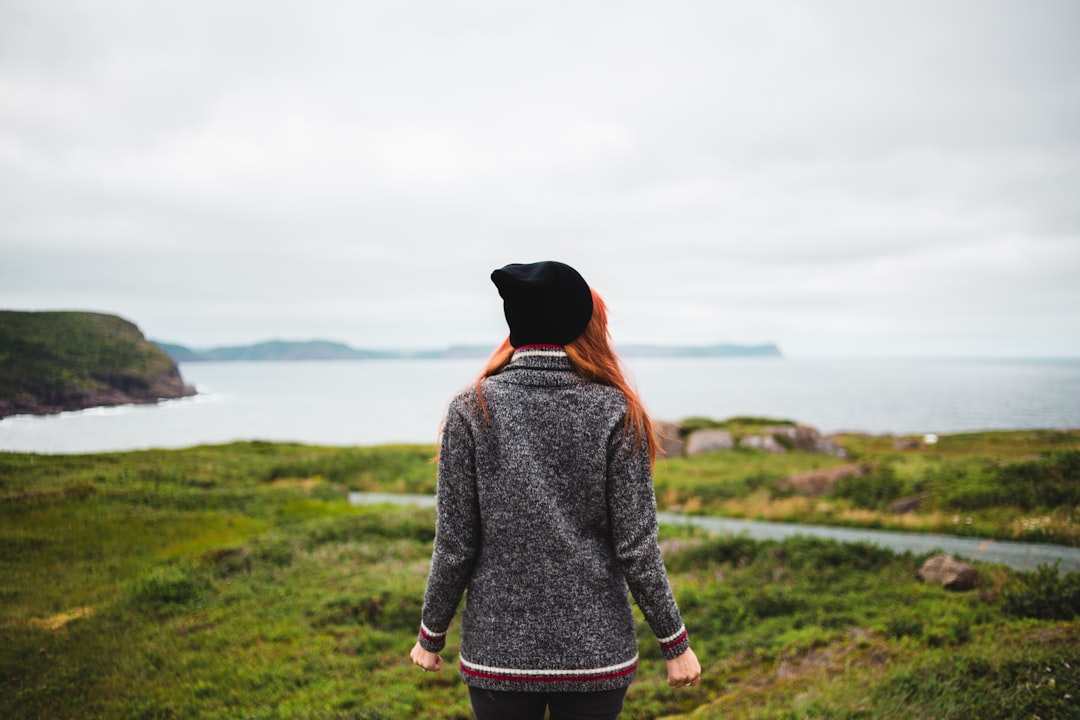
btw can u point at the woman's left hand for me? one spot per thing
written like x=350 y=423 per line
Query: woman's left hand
x=425 y=659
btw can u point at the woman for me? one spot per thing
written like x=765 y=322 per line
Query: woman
x=546 y=514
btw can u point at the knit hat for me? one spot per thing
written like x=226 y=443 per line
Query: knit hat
x=545 y=303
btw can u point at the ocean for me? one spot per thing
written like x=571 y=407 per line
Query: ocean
x=401 y=401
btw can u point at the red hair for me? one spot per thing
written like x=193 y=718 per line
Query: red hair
x=594 y=359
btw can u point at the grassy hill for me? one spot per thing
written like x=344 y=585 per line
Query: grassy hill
x=56 y=361
x=237 y=581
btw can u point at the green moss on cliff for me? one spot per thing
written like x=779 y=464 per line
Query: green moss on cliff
x=53 y=361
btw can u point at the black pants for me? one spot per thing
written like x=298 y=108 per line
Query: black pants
x=491 y=705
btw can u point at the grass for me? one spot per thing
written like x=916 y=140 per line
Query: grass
x=236 y=581
x=1022 y=485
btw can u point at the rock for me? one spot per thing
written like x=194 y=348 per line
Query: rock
x=670 y=436
x=781 y=438
x=814 y=483
x=703 y=441
x=809 y=439
x=908 y=504
x=771 y=438
x=948 y=572
x=768 y=443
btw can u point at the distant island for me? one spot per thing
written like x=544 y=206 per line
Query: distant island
x=282 y=351
x=56 y=361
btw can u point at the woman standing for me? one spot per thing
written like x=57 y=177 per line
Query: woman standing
x=546 y=514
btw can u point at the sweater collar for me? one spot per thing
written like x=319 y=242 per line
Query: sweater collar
x=540 y=365
x=538 y=351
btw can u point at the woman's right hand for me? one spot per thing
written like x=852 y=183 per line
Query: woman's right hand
x=684 y=670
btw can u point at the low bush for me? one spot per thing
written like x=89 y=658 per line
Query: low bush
x=170 y=586
x=1044 y=594
x=737 y=550
x=1043 y=484
x=274 y=552
x=873 y=490
x=1047 y=483
x=824 y=558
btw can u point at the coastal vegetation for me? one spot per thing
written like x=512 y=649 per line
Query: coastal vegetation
x=1016 y=485
x=238 y=581
x=55 y=361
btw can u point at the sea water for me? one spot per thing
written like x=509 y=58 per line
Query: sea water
x=387 y=401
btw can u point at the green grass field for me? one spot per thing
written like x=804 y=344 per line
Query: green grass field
x=237 y=582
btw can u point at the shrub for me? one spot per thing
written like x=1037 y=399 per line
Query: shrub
x=170 y=586
x=403 y=468
x=369 y=523
x=901 y=626
x=276 y=552
x=873 y=490
x=774 y=602
x=1046 y=483
x=1049 y=482
x=1044 y=594
x=822 y=557
x=738 y=550
x=964 y=685
x=693 y=424
x=227 y=561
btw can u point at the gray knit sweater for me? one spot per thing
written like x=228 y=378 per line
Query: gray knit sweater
x=546 y=514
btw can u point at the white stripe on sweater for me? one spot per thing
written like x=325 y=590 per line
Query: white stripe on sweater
x=540 y=353
x=516 y=671
x=669 y=638
x=429 y=632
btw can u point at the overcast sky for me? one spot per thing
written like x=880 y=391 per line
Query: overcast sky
x=841 y=178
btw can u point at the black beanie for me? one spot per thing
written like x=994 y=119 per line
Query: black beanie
x=545 y=303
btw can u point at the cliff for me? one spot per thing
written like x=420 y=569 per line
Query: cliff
x=56 y=361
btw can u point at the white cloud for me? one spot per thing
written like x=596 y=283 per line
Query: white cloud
x=832 y=176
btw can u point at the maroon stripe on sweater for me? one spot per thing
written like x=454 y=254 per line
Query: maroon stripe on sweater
x=676 y=641
x=430 y=638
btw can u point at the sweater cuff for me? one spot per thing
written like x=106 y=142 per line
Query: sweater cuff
x=675 y=645
x=431 y=641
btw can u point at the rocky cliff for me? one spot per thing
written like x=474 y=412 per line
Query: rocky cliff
x=56 y=361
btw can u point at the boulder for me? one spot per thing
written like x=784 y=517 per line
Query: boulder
x=670 y=436
x=905 y=443
x=768 y=443
x=908 y=504
x=771 y=438
x=948 y=572
x=703 y=441
x=810 y=439
x=781 y=438
x=814 y=483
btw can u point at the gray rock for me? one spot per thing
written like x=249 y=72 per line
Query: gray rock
x=773 y=439
x=703 y=441
x=948 y=572
x=670 y=436
x=908 y=504
x=768 y=443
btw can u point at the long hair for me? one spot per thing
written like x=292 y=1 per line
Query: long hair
x=594 y=359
